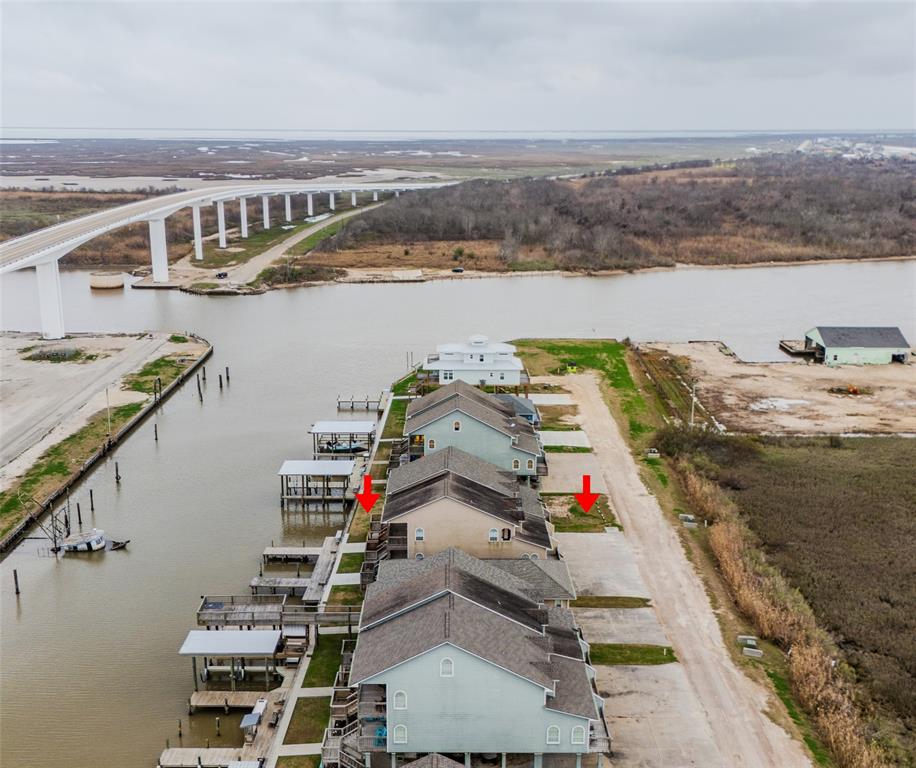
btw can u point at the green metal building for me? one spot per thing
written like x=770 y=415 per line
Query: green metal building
x=842 y=345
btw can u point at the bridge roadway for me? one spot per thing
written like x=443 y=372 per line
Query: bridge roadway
x=43 y=249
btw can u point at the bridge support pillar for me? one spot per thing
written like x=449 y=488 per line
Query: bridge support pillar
x=221 y=222
x=265 y=209
x=50 y=303
x=353 y=199
x=198 y=237
x=311 y=204
x=243 y=215
x=375 y=196
x=289 y=208
x=158 y=250
x=331 y=200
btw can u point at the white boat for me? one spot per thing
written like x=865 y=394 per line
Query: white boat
x=84 y=542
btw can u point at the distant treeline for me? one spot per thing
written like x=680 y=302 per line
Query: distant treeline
x=776 y=207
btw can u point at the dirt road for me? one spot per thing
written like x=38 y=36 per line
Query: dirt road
x=734 y=705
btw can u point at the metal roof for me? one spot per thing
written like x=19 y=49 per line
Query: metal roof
x=342 y=428
x=861 y=336
x=247 y=642
x=325 y=467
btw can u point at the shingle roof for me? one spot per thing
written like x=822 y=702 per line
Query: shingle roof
x=449 y=619
x=474 y=606
x=550 y=577
x=434 y=760
x=476 y=404
x=456 y=572
x=455 y=460
x=851 y=336
x=522 y=510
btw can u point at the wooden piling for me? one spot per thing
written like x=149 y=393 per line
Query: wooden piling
x=16 y=580
x=227 y=374
x=156 y=432
x=91 y=501
x=79 y=514
x=217 y=725
x=117 y=474
x=221 y=381
x=204 y=371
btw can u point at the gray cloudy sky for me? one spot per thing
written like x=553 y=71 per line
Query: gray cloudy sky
x=459 y=66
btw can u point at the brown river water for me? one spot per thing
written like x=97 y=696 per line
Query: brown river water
x=89 y=671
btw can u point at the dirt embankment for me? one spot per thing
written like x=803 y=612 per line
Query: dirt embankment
x=798 y=397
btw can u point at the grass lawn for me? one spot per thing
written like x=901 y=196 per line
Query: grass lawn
x=558 y=418
x=258 y=241
x=359 y=527
x=394 y=426
x=299 y=761
x=550 y=356
x=601 y=601
x=621 y=653
x=345 y=594
x=310 y=718
x=568 y=517
x=402 y=386
x=567 y=449
x=350 y=562
x=324 y=663
x=304 y=246
x=165 y=368
x=59 y=462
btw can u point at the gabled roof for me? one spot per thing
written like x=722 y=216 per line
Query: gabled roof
x=449 y=392
x=485 y=408
x=472 y=606
x=434 y=760
x=852 y=336
x=454 y=460
x=550 y=577
x=446 y=573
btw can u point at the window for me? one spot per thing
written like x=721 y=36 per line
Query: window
x=419 y=535
x=446 y=667
x=400 y=734
x=447 y=375
x=456 y=425
x=418 y=556
x=431 y=444
x=534 y=555
x=578 y=735
x=481 y=358
x=400 y=700
x=502 y=377
x=553 y=734
x=530 y=464
x=494 y=535
x=526 y=556
x=507 y=534
x=516 y=464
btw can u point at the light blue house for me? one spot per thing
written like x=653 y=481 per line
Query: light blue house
x=462 y=416
x=841 y=345
x=457 y=656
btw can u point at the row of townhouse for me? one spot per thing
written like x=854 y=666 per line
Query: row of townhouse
x=467 y=652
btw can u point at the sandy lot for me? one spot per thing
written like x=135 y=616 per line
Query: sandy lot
x=602 y=564
x=793 y=397
x=42 y=402
x=620 y=625
x=573 y=438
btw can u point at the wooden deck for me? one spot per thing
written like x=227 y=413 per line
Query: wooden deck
x=291 y=554
x=279 y=585
x=224 y=699
x=191 y=757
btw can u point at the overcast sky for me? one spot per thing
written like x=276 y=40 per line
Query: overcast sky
x=559 y=66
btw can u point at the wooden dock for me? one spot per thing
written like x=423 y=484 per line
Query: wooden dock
x=309 y=588
x=280 y=585
x=224 y=700
x=191 y=757
x=361 y=403
x=291 y=554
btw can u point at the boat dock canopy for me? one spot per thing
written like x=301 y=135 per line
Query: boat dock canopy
x=319 y=468
x=342 y=428
x=249 y=642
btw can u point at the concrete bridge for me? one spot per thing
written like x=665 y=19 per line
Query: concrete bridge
x=43 y=249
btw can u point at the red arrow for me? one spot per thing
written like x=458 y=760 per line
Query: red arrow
x=586 y=499
x=367 y=499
